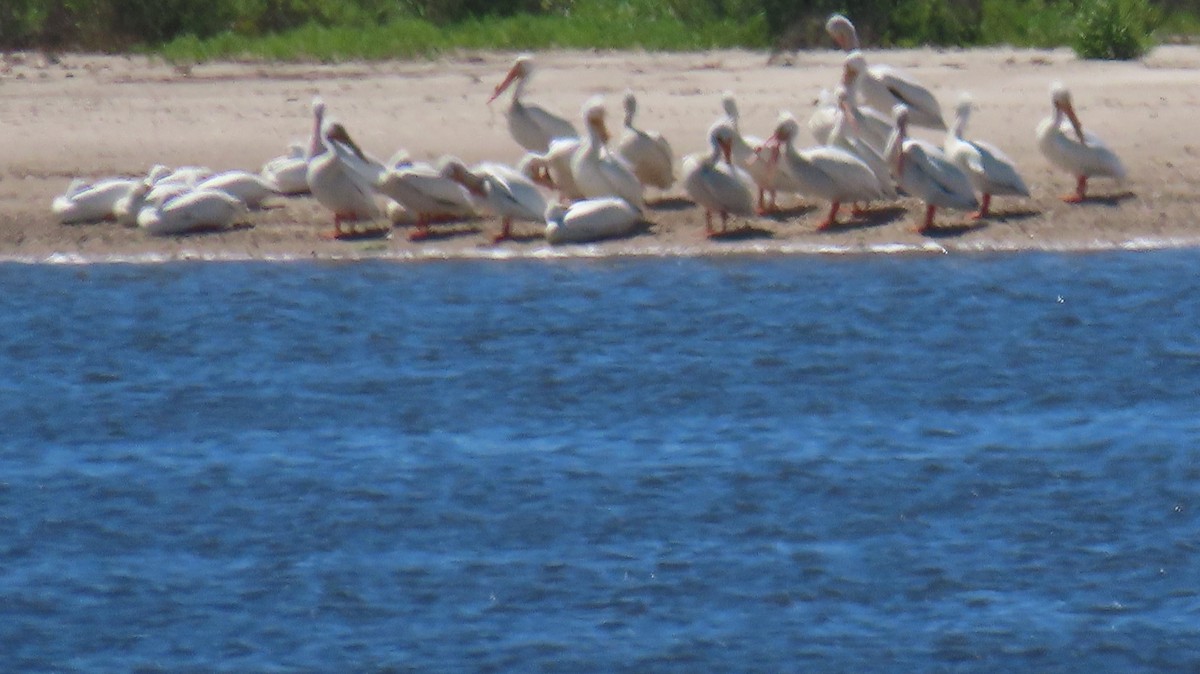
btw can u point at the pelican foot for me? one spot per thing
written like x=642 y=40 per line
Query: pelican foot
x=418 y=235
x=501 y=237
x=979 y=215
x=1073 y=198
x=826 y=225
x=923 y=230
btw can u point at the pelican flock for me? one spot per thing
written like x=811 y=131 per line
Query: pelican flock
x=580 y=187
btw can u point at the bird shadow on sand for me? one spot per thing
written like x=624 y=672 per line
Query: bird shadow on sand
x=782 y=214
x=1013 y=215
x=745 y=232
x=954 y=230
x=207 y=230
x=873 y=217
x=437 y=233
x=1109 y=200
x=670 y=204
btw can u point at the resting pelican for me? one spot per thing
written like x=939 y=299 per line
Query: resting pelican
x=599 y=173
x=989 y=170
x=647 y=152
x=743 y=150
x=924 y=172
x=843 y=135
x=503 y=191
x=825 y=172
x=590 y=220
x=530 y=125
x=333 y=182
x=1085 y=155
x=83 y=202
x=427 y=192
x=552 y=170
x=249 y=188
x=196 y=210
x=882 y=86
x=724 y=188
x=288 y=173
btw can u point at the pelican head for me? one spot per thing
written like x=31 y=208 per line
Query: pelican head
x=521 y=69
x=853 y=66
x=453 y=168
x=630 y=107
x=1061 y=99
x=786 y=128
x=721 y=136
x=962 y=112
x=593 y=116
x=842 y=32
x=729 y=105
x=318 y=106
x=900 y=118
x=536 y=168
x=336 y=133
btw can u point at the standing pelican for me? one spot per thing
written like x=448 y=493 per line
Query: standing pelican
x=829 y=173
x=743 y=150
x=503 y=191
x=1085 y=155
x=428 y=192
x=647 y=152
x=334 y=183
x=923 y=171
x=882 y=86
x=530 y=125
x=599 y=173
x=989 y=170
x=717 y=186
x=844 y=134
x=590 y=220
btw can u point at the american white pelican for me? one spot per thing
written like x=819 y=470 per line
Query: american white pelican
x=743 y=150
x=552 y=170
x=714 y=182
x=843 y=135
x=502 y=190
x=248 y=188
x=427 y=192
x=590 y=220
x=530 y=125
x=881 y=86
x=923 y=171
x=196 y=210
x=825 y=172
x=288 y=173
x=83 y=202
x=871 y=126
x=333 y=182
x=599 y=173
x=126 y=210
x=647 y=152
x=1085 y=155
x=989 y=170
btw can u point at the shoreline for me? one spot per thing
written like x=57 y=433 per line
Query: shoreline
x=97 y=116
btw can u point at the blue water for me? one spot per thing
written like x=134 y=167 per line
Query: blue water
x=908 y=464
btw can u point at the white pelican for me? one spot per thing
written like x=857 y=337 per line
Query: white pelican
x=1085 y=155
x=647 y=152
x=989 y=170
x=599 y=173
x=843 y=135
x=530 y=125
x=716 y=186
x=83 y=202
x=590 y=220
x=923 y=171
x=333 y=182
x=552 y=170
x=288 y=173
x=126 y=210
x=871 y=126
x=743 y=150
x=503 y=191
x=427 y=192
x=248 y=188
x=882 y=86
x=826 y=172
x=197 y=210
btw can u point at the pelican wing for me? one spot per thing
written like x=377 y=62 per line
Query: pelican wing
x=938 y=182
x=999 y=171
x=851 y=175
x=923 y=104
x=422 y=189
x=513 y=194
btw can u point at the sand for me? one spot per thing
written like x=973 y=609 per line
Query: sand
x=95 y=116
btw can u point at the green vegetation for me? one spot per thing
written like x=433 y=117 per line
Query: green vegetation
x=331 y=30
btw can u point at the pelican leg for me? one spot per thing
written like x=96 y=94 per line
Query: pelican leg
x=336 y=232
x=708 y=228
x=762 y=201
x=928 y=224
x=1080 y=192
x=505 y=231
x=984 y=204
x=422 y=231
x=830 y=221
x=859 y=209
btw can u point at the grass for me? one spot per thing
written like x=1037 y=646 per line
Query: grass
x=413 y=37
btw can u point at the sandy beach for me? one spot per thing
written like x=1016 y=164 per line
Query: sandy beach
x=95 y=116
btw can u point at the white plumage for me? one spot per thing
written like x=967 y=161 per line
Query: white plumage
x=530 y=125
x=647 y=152
x=590 y=220
x=990 y=171
x=714 y=182
x=598 y=172
x=1084 y=155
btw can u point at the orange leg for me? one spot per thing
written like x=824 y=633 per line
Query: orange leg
x=505 y=231
x=983 y=211
x=928 y=224
x=830 y=221
x=708 y=228
x=1080 y=192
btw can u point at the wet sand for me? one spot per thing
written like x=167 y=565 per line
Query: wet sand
x=96 y=116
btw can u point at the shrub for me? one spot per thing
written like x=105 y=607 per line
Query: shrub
x=1113 y=29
